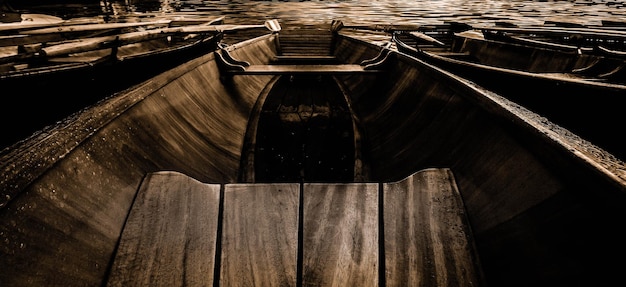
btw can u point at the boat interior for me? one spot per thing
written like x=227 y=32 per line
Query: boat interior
x=309 y=157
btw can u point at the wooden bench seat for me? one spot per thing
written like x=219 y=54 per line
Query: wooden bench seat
x=296 y=59
x=303 y=69
x=232 y=66
x=170 y=235
x=427 y=238
x=408 y=233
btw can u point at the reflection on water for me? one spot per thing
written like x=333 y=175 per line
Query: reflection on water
x=589 y=12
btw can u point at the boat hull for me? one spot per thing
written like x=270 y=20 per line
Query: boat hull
x=532 y=191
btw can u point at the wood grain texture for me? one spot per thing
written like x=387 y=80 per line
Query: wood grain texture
x=260 y=235
x=304 y=69
x=170 y=236
x=427 y=239
x=340 y=235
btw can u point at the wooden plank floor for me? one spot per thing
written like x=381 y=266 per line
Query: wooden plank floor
x=260 y=235
x=424 y=214
x=340 y=235
x=169 y=237
x=407 y=233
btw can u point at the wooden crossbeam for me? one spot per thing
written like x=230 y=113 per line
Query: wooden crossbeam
x=304 y=69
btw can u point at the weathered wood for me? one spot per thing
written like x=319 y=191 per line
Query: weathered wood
x=170 y=236
x=559 y=31
x=305 y=58
x=260 y=235
x=95 y=43
x=424 y=37
x=93 y=27
x=305 y=69
x=340 y=235
x=427 y=237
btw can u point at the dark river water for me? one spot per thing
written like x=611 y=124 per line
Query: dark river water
x=483 y=12
x=589 y=12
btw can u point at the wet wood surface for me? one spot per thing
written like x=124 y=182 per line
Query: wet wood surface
x=426 y=236
x=260 y=235
x=305 y=69
x=170 y=236
x=340 y=235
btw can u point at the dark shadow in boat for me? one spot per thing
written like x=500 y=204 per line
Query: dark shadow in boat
x=305 y=133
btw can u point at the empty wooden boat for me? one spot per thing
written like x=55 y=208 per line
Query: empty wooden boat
x=309 y=157
x=541 y=79
x=72 y=74
x=38 y=53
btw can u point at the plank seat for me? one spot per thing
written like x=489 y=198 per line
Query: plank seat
x=304 y=69
x=427 y=238
x=229 y=65
x=170 y=235
x=453 y=54
x=407 y=233
x=286 y=59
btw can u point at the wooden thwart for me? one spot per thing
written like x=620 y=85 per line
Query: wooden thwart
x=292 y=234
x=229 y=65
x=340 y=234
x=304 y=69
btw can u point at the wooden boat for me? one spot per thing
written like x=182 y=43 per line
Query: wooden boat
x=309 y=157
x=65 y=71
x=608 y=36
x=12 y=19
x=561 y=85
x=45 y=51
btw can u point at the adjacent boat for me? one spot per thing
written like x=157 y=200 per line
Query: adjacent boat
x=559 y=83
x=71 y=74
x=309 y=157
x=37 y=54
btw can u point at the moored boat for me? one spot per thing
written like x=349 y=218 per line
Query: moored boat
x=562 y=85
x=307 y=157
x=71 y=74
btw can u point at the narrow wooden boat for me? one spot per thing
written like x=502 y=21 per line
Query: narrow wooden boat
x=73 y=74
x=610 y=37
x=309 y=157
x=38 y=53
x=560 y=85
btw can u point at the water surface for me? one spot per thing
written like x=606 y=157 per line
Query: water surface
x=588 y=12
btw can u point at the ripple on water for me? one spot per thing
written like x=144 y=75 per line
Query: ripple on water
x=589 y=12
